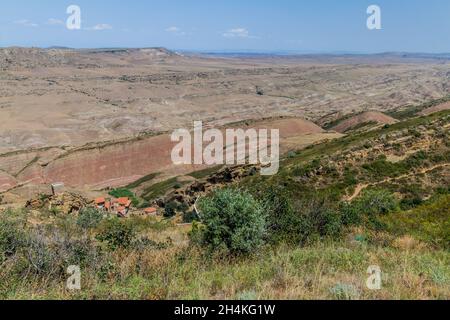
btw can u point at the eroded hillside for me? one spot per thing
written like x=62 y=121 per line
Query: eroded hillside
x=64 y=97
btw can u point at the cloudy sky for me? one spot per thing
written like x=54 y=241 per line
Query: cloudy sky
x=232 y=25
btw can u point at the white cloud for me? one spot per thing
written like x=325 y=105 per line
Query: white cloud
x=176 y=31
x=103 y=26
x=54 y=22
x=237 y=33
x=100 y=27
x=173 y=29
x=26 y=23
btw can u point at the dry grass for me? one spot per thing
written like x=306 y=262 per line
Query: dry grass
x=314 y=272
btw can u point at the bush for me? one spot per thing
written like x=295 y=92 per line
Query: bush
x=368 y=206
x=49 y=251
x=117 y=234
x=282 y=220
x=89 y=218
x=170 y=209
x=189 y=216
x=144 y=204
x=311 y=217
x=12 y=237
x=40 y=258
x=319 y=219
x=233 y=220
x=429 y=222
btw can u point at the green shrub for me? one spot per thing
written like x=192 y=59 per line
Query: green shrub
x=233 y=220
x=144 y=204
x=306 y=169
x=416 y=160
x=117 y=234
x=170 y=209
x=382 y=168
x=368 y=207
x=318 y=218
x=189 y=217
x=410 y=202
x=296 y=222
x=89 y=218
x=429 y=222
x=282 y=221
x=12 y=237
x=143 y=243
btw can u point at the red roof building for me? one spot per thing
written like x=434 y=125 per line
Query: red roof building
x=150 y=211
x=100 y=201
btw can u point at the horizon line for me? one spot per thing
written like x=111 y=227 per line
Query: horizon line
x=236 y=51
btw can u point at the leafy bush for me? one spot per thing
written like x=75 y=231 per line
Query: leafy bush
x=233 y=220
x=383 y=168
x=282 y=221
x=144 y=204
x=189 y=216
x=12 y=237
x=117 y=234
x=170 y=209
x=311 y=217
x=368 y=206
x=319 y=218
x=416 y=160
x=89 y=218
x=306 y=169
x=143 y=243
x=429 y=222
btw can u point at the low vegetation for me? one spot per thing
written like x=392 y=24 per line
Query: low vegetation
x=412 y=111
x=311 y=231
x=134 y=259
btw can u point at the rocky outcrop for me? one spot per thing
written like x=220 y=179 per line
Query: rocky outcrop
x=227 y=176
x=66 y=203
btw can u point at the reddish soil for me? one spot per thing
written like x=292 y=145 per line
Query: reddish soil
x=440 y=107
x=119 y=163
x=365 y=117
x=6 y=181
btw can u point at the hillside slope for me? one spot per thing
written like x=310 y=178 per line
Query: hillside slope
x=361 y=120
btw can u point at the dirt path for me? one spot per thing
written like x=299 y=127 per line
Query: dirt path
x=361 y=187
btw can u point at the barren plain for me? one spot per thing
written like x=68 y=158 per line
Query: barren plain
x=100 y=117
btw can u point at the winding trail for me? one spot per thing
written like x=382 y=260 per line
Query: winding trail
x=361 y=187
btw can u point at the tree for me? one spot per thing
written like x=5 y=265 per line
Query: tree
x=233 y=220
x=117 y=234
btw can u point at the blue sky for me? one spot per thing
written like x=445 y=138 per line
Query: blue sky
x=234 y=25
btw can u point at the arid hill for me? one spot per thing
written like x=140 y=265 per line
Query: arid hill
x=437 y=108
x=102 y=117
x=117 y=163
x=365 y=118
x=66 y=97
